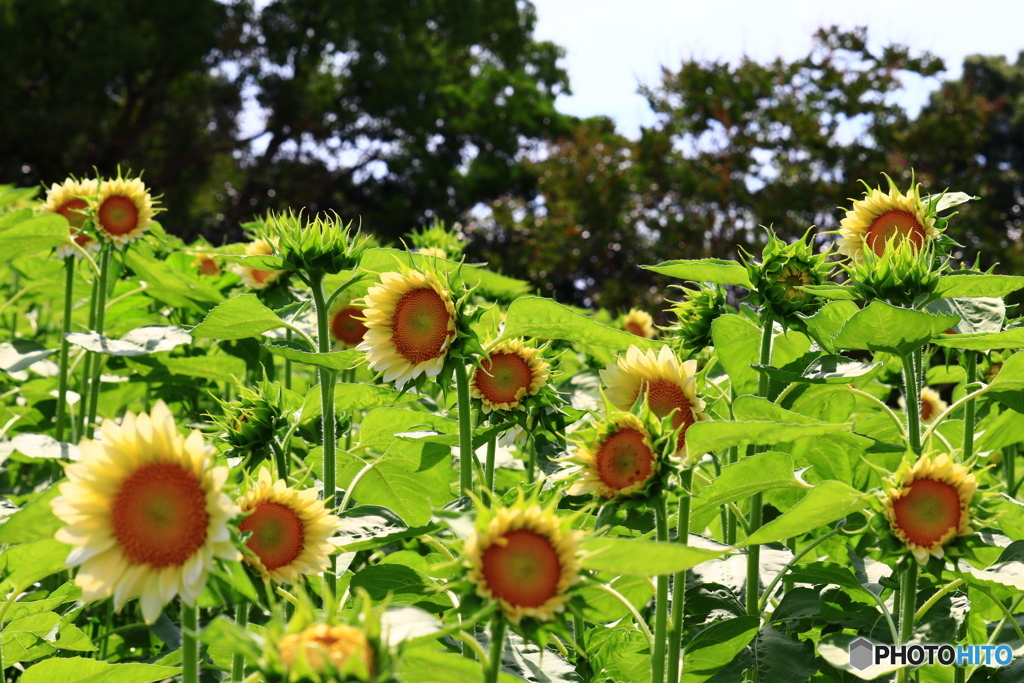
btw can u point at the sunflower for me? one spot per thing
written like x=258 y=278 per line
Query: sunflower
x=932 y=405
x=792 y=277
x=436 y=252
x=124 y=210
x=525 y=560
x=255 y=278
x=410 y=320
x=639 y=323
x=342 y=650
x=669 y=384
x=928 y=505
x=621 y=463
x=509 y=373
x=882 y=216
x=347 y=328
x=290 y=530
x=207 y=264
x=70 y=200
x=145 y=512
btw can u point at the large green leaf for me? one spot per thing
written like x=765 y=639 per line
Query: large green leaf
x=215 y=368
x=1005 y=430
x=620 y=654
x=705 y=270
x=353 y=397
x=1008 y=386
x=405 y=585
x=238 y=318
x=781 y=659
x=541 y=318
x=825 y=503
x=742 y=479
x=636 y=557
x=34 y=235
x=826 y=324
x=172 y=286
x=1007 y=339
x=33 y=522
x=139 y=342
x=978 y=285
x=295 y=351
x=427 y=665
x=81 y=670
x=410 y=478
x=881 y=327
x=979 y=315
x=712 y=649
x=824 y=370
x=737 y=342
x=380 y=426
x=717 y=435
x=23 y=565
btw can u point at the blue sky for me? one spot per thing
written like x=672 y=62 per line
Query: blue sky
x=612 y=45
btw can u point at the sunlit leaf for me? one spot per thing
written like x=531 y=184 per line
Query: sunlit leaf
x=238 y=318
x=636 y=557
x=138 y=342
x=825 y=503
x=705 y=270
x=881 y=327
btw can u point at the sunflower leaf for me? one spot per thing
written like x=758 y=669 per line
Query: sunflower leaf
x=705 y=270
x=34 y=235
x=1008 y=386
x=238 y=318
x=636 y=557
x=977 y=285
x=1007 y=339
x=825 y=503
x=712 y=649
x=295 y=351
x=882 y=327
x=541 y=318
x=706 y=437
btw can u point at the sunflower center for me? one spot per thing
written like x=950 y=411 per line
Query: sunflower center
x=524 y=570
x=510 y=377
x=71 y=209
x=624 y=459
x=896 y=224
x=927 y=410
x=792 y=278
x=664 y=396
x=260 y=276
x=159 y=515
x=118 y=215
x=207 y=266
x=420 y=325
x=346 y=328
x=929 y=511
x=277 y=534
x=635 y=328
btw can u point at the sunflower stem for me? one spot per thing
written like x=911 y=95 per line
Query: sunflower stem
x=908 y=603
x=65 y=346
x=330 y=442
x=661 y=601
x=287 y=364
x=1009 y=467
x=756 y=501
x=582 y=666
x=497 y=647
x=189 y=643
x=971 y=365
x=492 y=447
x=466 y=453
x=101 y=311
x=912 y=398
x=238 y=660
x=86 y=377
x=675 y=636
x=730 y=518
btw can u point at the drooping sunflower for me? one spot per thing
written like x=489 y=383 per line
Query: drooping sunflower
x=639 y=323
x=669 y=385
x=329 y=651
x=145 y=512
x=410 y=320
x=291 y=530
x=254 y=278
x=882 y=216
x=928 y=505
x=124 y=210
x=932 y=405
x=346 y=325
x=525 y=559
x=620 y=463
x=70 y=199
x=510 y=372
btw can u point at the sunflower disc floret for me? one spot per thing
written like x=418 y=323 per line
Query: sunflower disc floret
x=511 y=372
x=124 y=210
x=346 y=323
x=620 y=462
x=884 y=218
x=145 y=513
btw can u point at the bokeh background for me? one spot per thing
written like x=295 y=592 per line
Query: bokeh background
x=571 y=140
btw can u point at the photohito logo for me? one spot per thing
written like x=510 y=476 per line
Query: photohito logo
x=864 y=653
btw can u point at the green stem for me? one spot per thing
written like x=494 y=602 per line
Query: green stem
x=908 y=604
x=280 y=458
x=492 y=447
x=675 y=635
x=789 y=565
x=330 y=441
x=287 y=364
x=497 y=647
x=661 y=601
x=912 y=397
x=1009 y=467
x=953 y=585
x=86 y=376
x=65 y=345
x=466 y=453
x=756 y=500
x=101 y=312
x=238 y=660
x=730 y=518
x=189 y=644
x=582 y=666
x=972 y=376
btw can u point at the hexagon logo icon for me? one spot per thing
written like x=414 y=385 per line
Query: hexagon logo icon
x=861 y=654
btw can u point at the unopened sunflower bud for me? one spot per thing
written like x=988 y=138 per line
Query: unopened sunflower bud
x=903 y=275
x=694 y=315
x=322 y=245
x=783 y=270
x=251 y=422
x=440 y=241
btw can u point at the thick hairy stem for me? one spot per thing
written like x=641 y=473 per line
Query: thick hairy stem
x=189 y=644
x=238 y=660
x=908 y=604
x=756 y=501
x=661 y=601
x=675 y=635
x=497 y=647
x=330 y=441
x=492 y=447
x=65 y=346
x=912 y=397
x=466 y=452
x=969 y=409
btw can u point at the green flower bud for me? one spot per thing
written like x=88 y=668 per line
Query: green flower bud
x=694 y=315
x=904 y=275
x=250 y=423
x=438 y=240
x=321 y=245
x=783 y=269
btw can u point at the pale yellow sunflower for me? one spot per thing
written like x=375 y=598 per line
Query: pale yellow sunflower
x=410 y=320
x=341 y=651
x=124 y=210
x=510 y=372
x=437 y=252
x=929 y=505
x=932 y=405
x=525 y=560
x=639 y=323
x=291 y=530
x=70 y=199
x=346 y=324
x=620 y=463
x=145 y=512
x=254 y=278
x=207 y=264
x=669 y=384
x=883 y=215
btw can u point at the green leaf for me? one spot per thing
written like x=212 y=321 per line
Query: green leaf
x=33 y=522
x=881 y=327
x=826 y=573
x=738 y=343
x=636 y=557
x=139 y=342
x=832 y=291
x=81 y=670
x=826 y=324
x=66 y=593
x=405 y=585
x=172 y=286
x=977 y=285
x=604 y=608
x=1008 y=339
x=620 y=654
x=712 y=649
x=533 y=316
x=781 y=659
x=380 y=426
x=745 y=477
x=21 y=354
x=824 y=370
x=825 y=503
x=238 y=318
x=215 y=368
x=980 y=315
x=34 y=235
x=1008 y=386
x=716 y=435
x=705 y=270
x=335 y=360
x=23 y=565
x=353 y=397
x=426 y=665
x=410 y=478
x=1007 y=429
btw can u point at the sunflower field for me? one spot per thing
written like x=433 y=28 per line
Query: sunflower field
x=312 y=457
